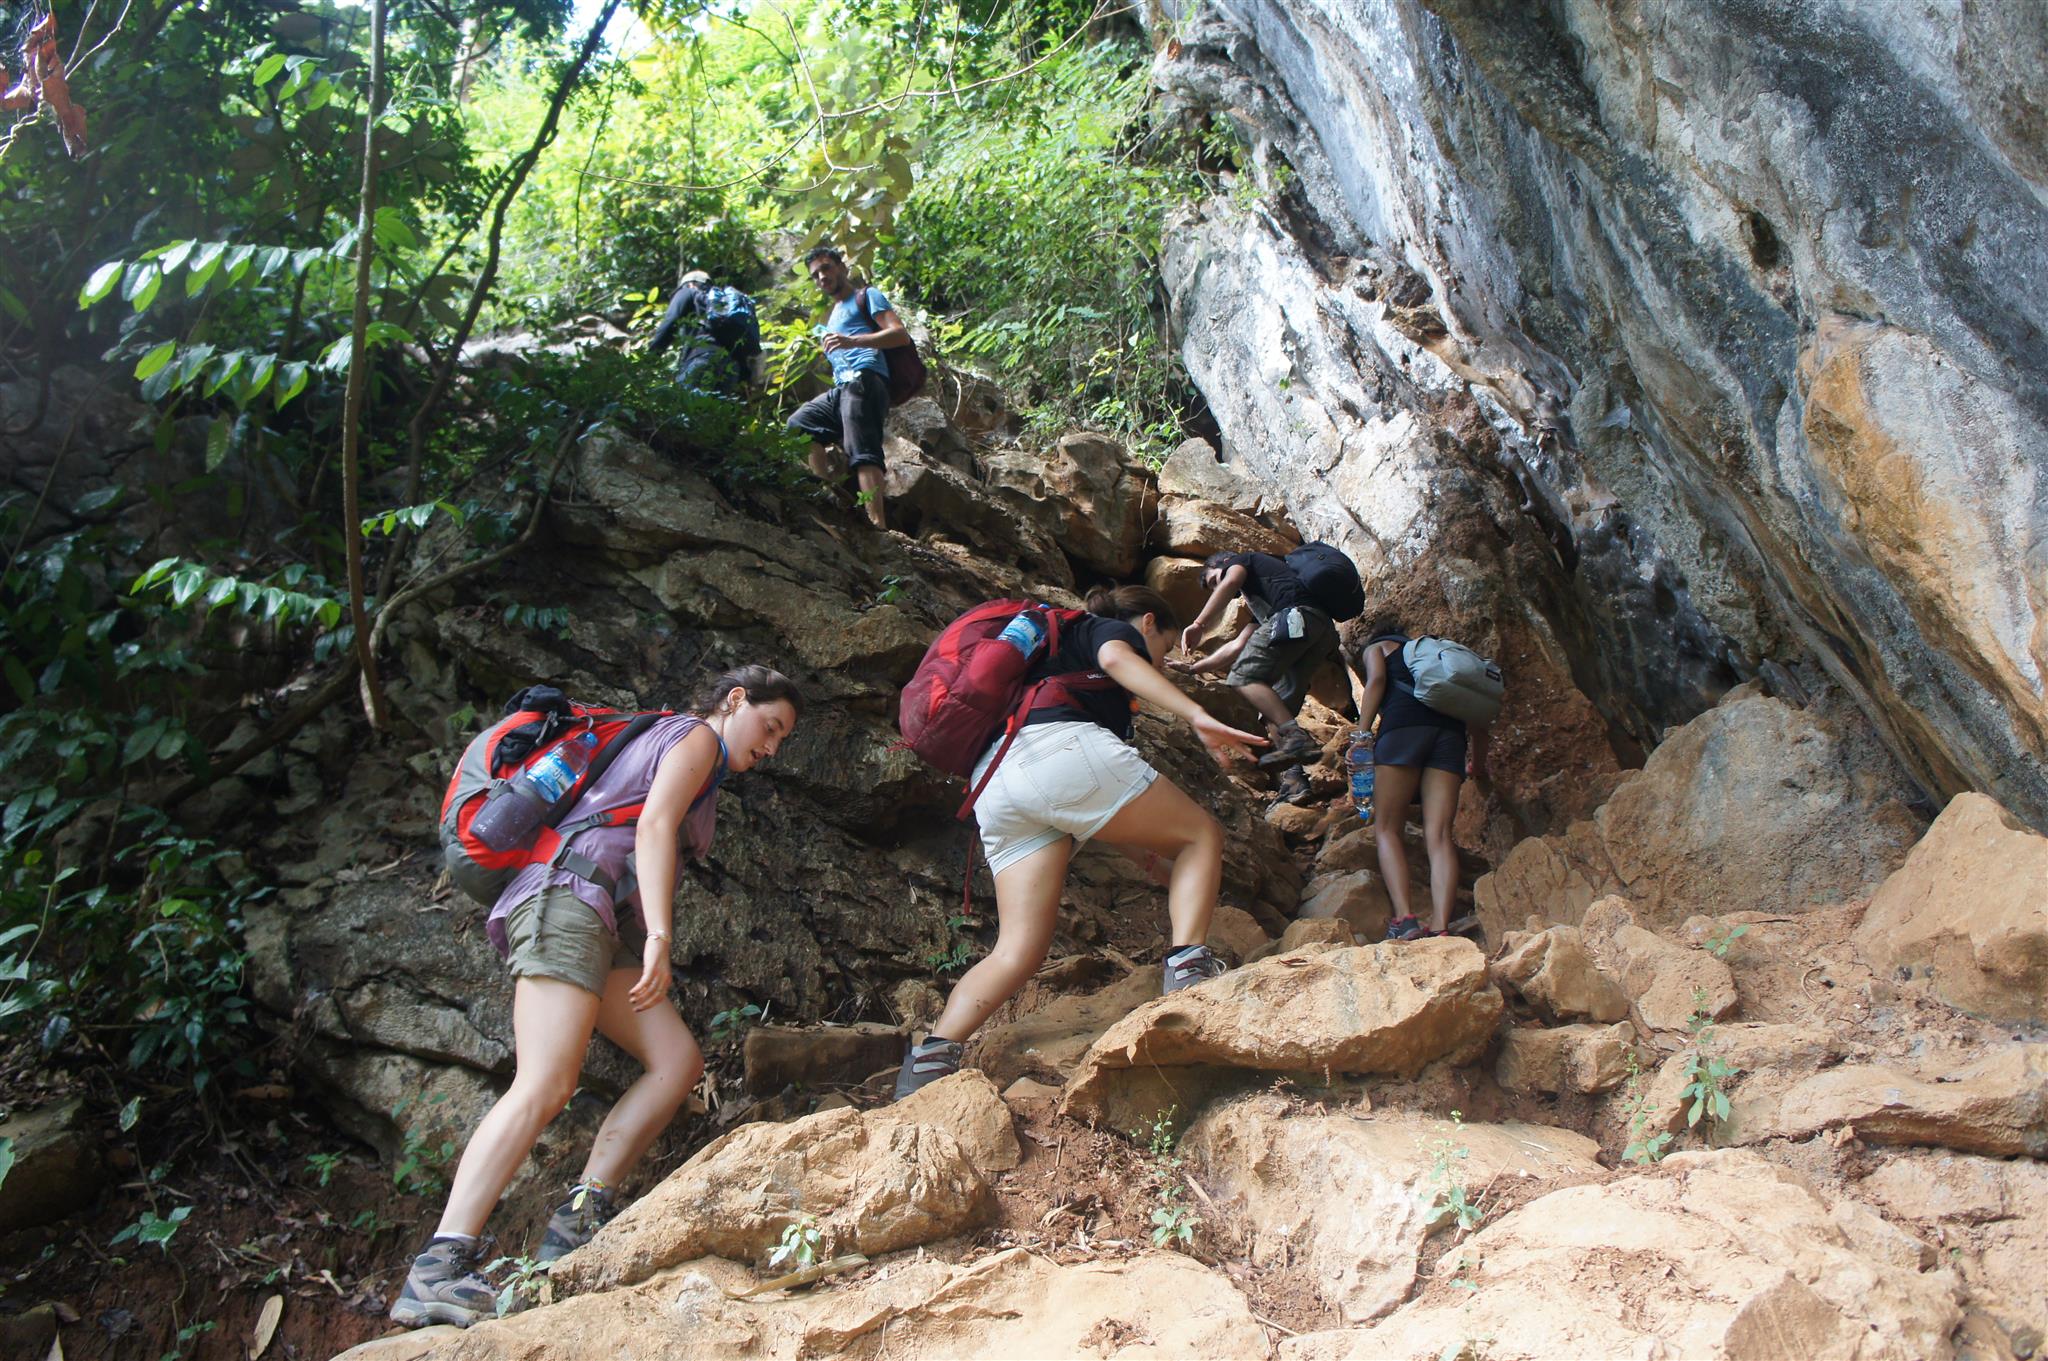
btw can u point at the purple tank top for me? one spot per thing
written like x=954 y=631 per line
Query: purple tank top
x=626 y=781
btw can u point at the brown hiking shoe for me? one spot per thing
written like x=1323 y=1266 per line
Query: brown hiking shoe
x=1291 y=747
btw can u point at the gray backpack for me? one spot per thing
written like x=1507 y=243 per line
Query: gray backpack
x=1454 y=680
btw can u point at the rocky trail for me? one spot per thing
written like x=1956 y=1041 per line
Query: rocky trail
x=1377 y=1149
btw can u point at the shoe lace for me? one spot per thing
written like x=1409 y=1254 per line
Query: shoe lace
x=1203 y=965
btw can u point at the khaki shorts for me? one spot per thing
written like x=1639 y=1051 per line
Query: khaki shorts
x=1059 y=780
x=1286 y=664
x=555 y=934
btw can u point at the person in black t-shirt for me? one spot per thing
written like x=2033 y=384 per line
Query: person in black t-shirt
x=1071 y=774
x=1417 y=750
x=1271 y=660
x=718 y=337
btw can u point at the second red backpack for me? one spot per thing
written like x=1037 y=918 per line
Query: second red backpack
x=971 y=685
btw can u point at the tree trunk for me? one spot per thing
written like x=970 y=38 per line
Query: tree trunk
x=359 y=363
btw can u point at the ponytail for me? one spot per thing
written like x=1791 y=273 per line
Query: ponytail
x=1132 y=602
x=763 y=686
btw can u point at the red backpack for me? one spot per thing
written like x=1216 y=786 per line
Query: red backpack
x=971 y=684
x=537 y=721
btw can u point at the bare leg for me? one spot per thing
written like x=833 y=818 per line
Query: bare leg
x=870 y=479
x=1393 y=789
x=1439 y=807
x=658 y=1038
x=1027 y=911
x=1168 y=823
x=1267 y=701
x=551 y=1023
x=824 y=465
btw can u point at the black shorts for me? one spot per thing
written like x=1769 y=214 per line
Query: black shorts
x=1431 y=748
x=850 y=416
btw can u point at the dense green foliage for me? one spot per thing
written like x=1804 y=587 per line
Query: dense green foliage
x=997 y=169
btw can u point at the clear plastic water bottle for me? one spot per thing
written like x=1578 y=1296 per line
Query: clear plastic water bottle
x=1358 y=762
x=1025 y=631
x=514 y=812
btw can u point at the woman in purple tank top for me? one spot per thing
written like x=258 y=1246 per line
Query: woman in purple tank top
x=586 y=938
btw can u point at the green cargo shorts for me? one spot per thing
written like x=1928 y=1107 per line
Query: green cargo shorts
x=1286 y=664
x=555 y=934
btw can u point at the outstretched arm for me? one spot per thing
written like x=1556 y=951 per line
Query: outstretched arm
x=677 y=779
x=1222 y=659
x=1225 y=592
x=666 y=332
x=1122 y=664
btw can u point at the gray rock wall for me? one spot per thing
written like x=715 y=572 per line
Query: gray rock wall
x=1754 y=297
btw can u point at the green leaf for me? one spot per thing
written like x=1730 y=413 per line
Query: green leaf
x=142 y=741
x=273 y=601
x=303 y=260
x=98 y=499
x=266 y=71
x=204 y=262
x=156 y=573
x=319 y=95
x=291 y=381
x=152 y=281
x=385 y=333
x=336 y=358
x=12 y=305
x=101 y=283
x=18 y=679
x=228 y=366
x=6 y=1159
x=391 y=231
x=175 y=255
x=128 y=1114
x=256 y=377
x=271 y=259
x=222 y=591
x=155 y=359
x=237 y=262
x=189 y=576
x=216 y=446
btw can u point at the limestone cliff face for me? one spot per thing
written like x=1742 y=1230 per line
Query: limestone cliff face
x=1742 y=307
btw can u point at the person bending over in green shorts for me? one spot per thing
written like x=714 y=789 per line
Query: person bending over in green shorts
x=588 y=948
x=1271 y=659
x=1071 y=775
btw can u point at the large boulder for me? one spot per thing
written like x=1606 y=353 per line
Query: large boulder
x=1995 y=1105
x=1716 y=1254
x=1365 y=1009
x=1347 y=1195
x=1555 y=971
x=1051 y=1039
x=1101 y=496
x=56 y=1166
x=1191 y=527
x=777 y=1055
x=872 y=1184
x=1752 y=805
x=1665 y=983
x=1567 y=1058
x=1969 y=910
x=1009 y=1304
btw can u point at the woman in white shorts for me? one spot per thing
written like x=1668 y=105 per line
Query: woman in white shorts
x=1071 y=775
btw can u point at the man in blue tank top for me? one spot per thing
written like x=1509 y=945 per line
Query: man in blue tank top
x=859 y=327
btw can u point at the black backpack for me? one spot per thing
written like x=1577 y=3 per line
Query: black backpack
x=1330 y=579
x=729 y=319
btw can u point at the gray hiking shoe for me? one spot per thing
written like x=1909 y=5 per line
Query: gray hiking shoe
x=1189 y=965
x=1292 y=746
x=575 y=1221
x=445 y=1286
x=926 y=1063
x=1293 y=787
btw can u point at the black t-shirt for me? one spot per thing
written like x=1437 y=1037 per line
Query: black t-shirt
x=1081 y=644
x=1269 y=581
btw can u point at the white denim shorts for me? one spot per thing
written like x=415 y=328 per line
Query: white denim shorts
x=1058 y=780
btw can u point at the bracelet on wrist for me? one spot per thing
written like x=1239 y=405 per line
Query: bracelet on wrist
x=659 y=935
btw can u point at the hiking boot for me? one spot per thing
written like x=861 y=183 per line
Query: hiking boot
x=926 y=1063
x=1291 y=747
x=1410 y=928
x=575 y=1220
x=1189 y=965
x=444 y=1286
x=1293 y=787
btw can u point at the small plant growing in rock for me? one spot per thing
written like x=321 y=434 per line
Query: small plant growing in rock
x=418 y=1169
x=322 y=1165
x=731 y=1023
x=1720 y=940
x=1644 y=1147
x=1707 y=1074
x=523 y=1277
x=1173 y=1221
x=799 y=1245
x=1447 y=1197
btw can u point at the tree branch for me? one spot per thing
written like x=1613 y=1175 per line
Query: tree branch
x=359 y=364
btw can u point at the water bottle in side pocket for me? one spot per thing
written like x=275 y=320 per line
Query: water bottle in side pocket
x=1358 y=762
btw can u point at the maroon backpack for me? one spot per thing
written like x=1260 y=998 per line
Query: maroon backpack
x=905 y=365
